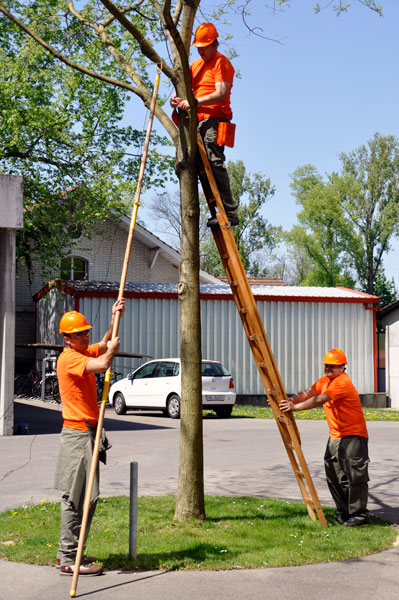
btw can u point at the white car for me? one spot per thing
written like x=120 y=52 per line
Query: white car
x=156 y=385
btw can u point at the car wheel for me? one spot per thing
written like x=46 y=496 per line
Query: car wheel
x=224 y=411
x=173 y=407
x=119 y=404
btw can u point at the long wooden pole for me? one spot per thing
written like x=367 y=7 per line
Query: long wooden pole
x=107 y=378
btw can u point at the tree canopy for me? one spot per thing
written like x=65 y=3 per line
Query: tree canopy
x=62 y=132
x=347 y=223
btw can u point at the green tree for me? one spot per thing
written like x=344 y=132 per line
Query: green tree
x=251 y=191
x=61 y=132
x=369 y=194
x=385 y=289
x=347 y=223
x=322 y=230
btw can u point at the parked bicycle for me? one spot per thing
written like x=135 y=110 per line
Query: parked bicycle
x=31 y=384
x=100 y=383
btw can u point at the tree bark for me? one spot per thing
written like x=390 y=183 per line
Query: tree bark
x=190 y=491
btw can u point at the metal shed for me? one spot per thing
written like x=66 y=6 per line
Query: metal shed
x=302 y=323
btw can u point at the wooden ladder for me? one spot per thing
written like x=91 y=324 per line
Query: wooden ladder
x=259 y=344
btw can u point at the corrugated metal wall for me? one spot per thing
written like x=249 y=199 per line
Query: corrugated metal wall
x=300 y=333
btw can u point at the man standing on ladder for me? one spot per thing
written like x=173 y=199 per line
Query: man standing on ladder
x=212 y=79
x=346 y=458
x=76 y=368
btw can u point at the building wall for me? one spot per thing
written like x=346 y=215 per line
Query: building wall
x=105 y=254
x=300 y=333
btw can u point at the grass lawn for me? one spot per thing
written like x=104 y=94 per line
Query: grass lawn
x=238 y=533
x=260 y=412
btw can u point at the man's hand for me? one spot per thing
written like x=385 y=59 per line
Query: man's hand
x=119 y=305
x=286 y=405
x=113 y=345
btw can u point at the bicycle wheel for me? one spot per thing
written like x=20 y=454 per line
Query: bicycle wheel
x=36 y=387
x=56 y=393
x=20 y=385
x=50 y=382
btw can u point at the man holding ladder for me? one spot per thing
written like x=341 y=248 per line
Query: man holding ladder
x=346 y=457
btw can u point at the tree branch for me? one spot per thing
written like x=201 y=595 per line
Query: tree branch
x=145 y=46
x=61 y=57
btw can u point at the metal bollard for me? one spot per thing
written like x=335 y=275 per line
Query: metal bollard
x=133 y=510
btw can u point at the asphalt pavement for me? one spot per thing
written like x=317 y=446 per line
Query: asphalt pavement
x=241 y=457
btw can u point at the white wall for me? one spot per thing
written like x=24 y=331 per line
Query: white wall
x=392 y=363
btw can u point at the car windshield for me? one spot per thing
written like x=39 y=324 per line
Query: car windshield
x=213 y=369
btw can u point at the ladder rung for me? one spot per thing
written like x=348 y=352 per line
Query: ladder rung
x=253 y=337
x=262 y=365
x=226 y=255
x=299 y=474
x=235 y=283
x=289 y=445
x=243 y=310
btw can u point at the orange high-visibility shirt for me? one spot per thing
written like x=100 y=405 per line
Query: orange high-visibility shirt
x=204 y=76
x=77 y=388
x=343 y=412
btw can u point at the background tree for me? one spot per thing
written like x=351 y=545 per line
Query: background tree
x=369 y=194
x=322 y=232
x=251 y=191
x=346 y=224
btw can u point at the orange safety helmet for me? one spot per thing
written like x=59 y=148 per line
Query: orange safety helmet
x=335 y=357
x=73 y=321
x=205 y=35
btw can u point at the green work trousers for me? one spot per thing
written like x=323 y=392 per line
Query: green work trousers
x=346 y=465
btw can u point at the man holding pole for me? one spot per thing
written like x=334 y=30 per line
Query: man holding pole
x=346 y=457
x=76 y=369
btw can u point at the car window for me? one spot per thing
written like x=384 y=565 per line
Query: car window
x=213 y=369
x=146 y=370
x=166 y=369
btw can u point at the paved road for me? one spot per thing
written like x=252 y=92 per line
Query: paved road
x=242 y=457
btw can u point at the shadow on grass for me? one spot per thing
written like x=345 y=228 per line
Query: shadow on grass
x=170 y=561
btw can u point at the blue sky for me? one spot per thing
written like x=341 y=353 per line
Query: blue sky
x=326 y=89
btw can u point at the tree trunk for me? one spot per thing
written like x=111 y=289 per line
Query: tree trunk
x=190 y=490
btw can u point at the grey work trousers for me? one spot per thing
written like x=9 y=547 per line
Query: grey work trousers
x=71 y=519
x=346 y=466
x=208 y=129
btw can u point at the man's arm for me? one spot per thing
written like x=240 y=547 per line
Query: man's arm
x=219 y=95
x=304 y=401
x=101 y=363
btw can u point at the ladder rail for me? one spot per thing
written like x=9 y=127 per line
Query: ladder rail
x=259 y=345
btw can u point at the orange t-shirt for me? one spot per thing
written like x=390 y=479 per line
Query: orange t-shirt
x=77 y=388
x=343 y=412
x=204 y=76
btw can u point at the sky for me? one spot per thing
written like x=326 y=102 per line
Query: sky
x=326 y=87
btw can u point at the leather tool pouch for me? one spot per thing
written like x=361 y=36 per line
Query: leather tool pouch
x=226 y=133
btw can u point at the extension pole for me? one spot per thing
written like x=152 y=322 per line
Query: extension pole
x=107 y=379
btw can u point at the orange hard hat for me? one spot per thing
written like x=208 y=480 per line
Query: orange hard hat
x=205 y=35
x=335 y=357
x=73 y=321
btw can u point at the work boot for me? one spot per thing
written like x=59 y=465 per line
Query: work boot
x=356 y=520
x=90 y=570
x=341 y=518
x=87 y=560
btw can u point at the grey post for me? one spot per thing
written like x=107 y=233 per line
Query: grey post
x=133 y=510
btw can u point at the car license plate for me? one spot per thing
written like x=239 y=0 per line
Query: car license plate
x=214 y=398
